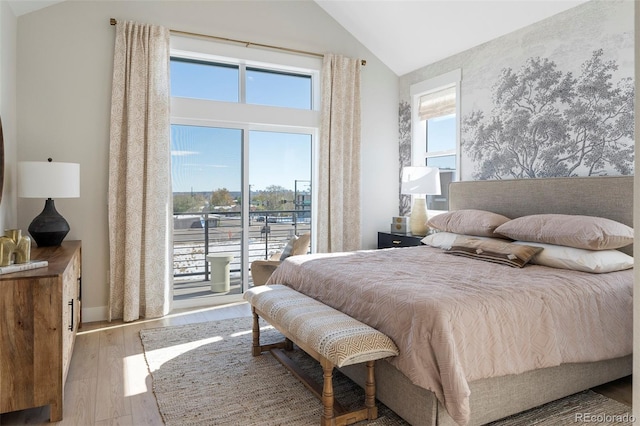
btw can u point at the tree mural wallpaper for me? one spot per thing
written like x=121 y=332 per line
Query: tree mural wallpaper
x=405 y=152
x=552 y=99
x=549 y=123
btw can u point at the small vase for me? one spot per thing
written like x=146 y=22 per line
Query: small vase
x=23 y=250
x=14 y=247
x=7 y=247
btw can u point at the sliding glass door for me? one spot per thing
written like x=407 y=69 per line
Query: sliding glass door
x=243 y=124
x=238 y=195
x=207 y=189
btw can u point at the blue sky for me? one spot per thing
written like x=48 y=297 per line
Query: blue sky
x=442 y=137
x=207 y=158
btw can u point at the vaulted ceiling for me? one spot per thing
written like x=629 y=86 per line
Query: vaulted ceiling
x=409 y=34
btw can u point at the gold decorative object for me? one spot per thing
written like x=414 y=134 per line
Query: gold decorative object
x=14 y=247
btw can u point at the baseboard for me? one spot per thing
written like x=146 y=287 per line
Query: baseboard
x=101 y=313
x=95 y=314
x=206 y=301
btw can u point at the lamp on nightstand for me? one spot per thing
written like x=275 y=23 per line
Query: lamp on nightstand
x=40 y=179
x=420 y=181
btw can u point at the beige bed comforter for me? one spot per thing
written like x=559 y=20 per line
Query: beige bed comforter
x=456 y=319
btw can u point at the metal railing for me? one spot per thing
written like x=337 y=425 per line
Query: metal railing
x=197 y=235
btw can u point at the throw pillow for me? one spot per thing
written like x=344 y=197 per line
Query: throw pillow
x=288 y=249
x=495 y=251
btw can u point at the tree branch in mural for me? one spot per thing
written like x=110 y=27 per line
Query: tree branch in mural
x=546 y=123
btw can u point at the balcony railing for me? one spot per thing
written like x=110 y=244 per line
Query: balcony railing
x=197 y=235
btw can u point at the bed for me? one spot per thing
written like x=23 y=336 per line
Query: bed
x=447 y=374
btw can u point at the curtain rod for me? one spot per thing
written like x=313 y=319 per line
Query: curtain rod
x=363 y=62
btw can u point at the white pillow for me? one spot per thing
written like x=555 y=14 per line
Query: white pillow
x=594 y=261
x=444 y=240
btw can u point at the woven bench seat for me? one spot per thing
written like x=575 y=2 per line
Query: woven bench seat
x=328 y=335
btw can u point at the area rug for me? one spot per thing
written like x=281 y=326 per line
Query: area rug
x=204 y=374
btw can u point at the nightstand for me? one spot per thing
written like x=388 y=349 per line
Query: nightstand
x=388 y=239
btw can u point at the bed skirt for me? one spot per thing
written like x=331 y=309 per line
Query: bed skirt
x=494 y=398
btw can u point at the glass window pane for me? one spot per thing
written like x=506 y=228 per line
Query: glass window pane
x=206 y=165
x=441 y=133
x=441 y=202
x=446 y=162
x=280 y=183
x=281 y=89
x=204 y=80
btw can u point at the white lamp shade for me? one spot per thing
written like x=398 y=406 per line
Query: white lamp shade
x=420 y=180
x=42 y=179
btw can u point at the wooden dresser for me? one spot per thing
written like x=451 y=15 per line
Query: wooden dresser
x=39 y=318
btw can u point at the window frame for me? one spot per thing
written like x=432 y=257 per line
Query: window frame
x=419 y=153
x=250 y=117
x=207 y=50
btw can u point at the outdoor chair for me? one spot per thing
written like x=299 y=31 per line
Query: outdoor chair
x=261 y=270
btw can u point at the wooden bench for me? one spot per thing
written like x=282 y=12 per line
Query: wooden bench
x=329 y=336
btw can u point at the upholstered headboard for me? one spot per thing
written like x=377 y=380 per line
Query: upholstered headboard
x=603 y=196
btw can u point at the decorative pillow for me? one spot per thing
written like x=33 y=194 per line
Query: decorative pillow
x=469 y=222
x=301 y=245
x=296 y=246
x=503 y=252
x=286 y=251
x=586 y=232
x=444 y=240
x=562 y=257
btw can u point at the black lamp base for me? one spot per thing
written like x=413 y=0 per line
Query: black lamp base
x=49 y=228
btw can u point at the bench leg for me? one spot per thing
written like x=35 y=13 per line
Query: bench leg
x=328 y=418
x=256 y=347
x=370 y=392
x=288 y=345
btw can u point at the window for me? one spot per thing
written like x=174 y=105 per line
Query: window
x=214 y=81
x=204 y=80
x=265 y=87
x=243 y=132
x=436 y=128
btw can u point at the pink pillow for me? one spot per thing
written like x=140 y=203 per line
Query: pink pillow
x=479 y=223
x=586 y=232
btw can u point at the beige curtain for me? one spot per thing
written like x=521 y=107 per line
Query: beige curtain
x=140 y=205
x=339 y=156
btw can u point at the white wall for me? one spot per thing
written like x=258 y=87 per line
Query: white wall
x=65 y=56
x=8 y=33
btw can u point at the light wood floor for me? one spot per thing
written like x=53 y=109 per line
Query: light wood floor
x=108 y=381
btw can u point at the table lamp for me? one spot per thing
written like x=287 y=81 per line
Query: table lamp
x=420 y=181
x=46 y=179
